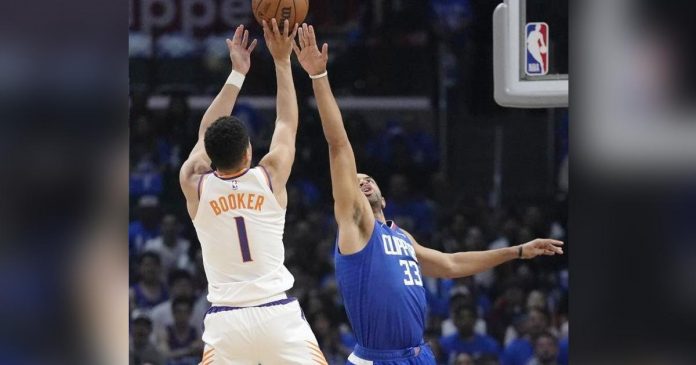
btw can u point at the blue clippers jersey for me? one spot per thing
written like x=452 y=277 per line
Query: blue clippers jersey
x=383 y=291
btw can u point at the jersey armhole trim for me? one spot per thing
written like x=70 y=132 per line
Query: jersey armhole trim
x=357 y=253
x=268 y=177
x=200 y=183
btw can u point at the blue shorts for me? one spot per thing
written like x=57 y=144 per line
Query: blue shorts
x=419 y=355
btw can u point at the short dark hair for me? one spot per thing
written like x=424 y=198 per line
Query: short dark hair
x=225 y=141
x=142 y=320
x=178 y=274
x=545 y=334
x=150 y=254
x=466 y=307
x=183 y=300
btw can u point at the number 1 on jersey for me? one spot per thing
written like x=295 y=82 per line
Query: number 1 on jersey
x=243 y=240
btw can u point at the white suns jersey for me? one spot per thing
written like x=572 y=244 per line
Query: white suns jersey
x=240 y=225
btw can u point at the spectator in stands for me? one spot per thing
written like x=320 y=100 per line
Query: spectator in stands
x=466 y=340
x=423 y=146
x=453 y=240
x=506 y=307
x=535 y=300
x=146 y=226
x=149 y=290
x=329 y=338
x=545 y=350
x=563 y=351
x=180 y=286
x=461 y=295
x=142 y=351
x=180 y=342
x=519 y=351
x=506 y=237
x=407 y=209
x=463 y=359
x=169 y=245
x=487 y=360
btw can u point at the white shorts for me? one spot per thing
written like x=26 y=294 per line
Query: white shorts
x=270 y=335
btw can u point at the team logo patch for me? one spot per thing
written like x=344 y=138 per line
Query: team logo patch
x=537 y=35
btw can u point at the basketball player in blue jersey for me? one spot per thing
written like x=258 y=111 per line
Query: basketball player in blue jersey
x=379 y=266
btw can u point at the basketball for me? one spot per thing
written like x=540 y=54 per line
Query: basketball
x=294 y=11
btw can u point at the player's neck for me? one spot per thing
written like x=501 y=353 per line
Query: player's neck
x=379 y=215
x=230 y=172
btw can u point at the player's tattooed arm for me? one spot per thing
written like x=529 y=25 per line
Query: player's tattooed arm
x=352 y=210
x=461 y=264
x=281 y=153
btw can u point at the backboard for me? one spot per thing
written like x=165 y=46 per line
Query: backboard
x=530 y=53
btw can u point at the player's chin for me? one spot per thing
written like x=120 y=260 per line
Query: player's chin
x=372 y=198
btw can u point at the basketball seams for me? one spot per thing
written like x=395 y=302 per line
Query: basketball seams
x=294 y=18
x=261 y=11
x=275 y=14
x=258 y=6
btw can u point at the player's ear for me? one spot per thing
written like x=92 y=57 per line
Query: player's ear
x=248 y=154
x=384 y=203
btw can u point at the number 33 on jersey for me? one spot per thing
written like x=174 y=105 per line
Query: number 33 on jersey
x=394 y=245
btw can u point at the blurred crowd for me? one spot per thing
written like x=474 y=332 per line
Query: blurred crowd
x=515 y=314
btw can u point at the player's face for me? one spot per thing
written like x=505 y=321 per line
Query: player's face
x=369 y=188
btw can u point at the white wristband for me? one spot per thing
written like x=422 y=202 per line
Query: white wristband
x=323 y=74
x=235 y=79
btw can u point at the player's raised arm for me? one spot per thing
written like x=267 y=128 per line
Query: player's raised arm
x=352 y=210
x=278 y=162
x=198 y=161
x=460 y=264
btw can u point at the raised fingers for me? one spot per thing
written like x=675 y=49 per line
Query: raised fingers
x=294 y=32
x=276 y=31
x=237 y=38
x=245 y=39
x=252 y=45
x=312 y=37
x=301 y=37
x=286 y=28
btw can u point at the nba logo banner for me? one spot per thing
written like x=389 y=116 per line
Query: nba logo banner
x=537 y=35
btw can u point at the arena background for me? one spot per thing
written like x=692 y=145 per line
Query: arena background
x=414 y=82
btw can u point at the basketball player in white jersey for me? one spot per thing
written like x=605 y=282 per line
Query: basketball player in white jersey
x=239 y=215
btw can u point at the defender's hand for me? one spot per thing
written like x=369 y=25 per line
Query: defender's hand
x=279 y=44
x=541 y=246
x=312 y=60
x=240 y=50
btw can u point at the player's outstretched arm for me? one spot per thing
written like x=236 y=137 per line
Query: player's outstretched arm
x=278 y=161
x=460 y=264
x=352 y=210
x=198 y=162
